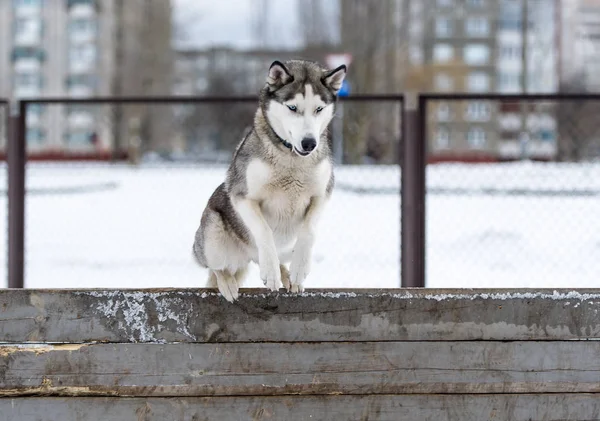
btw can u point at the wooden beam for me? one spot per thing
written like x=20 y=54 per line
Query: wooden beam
x=191 y=315
x=300 y=368
x=552 y=407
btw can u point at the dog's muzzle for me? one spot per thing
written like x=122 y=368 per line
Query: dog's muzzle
x=308 y=145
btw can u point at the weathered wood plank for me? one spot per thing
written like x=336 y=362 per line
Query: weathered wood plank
x=553 y=407
x=363 y=315
x=300 y=368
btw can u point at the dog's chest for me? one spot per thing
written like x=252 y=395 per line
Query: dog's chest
x=286 y=197
x=284 y=194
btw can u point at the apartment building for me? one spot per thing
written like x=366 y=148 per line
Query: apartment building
x=580 y=43
x=476 y=46
x=79 y=49
x=454 y=41
x=527 y=131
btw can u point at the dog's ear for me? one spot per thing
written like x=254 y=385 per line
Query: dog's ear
x=278 y=75
x=333 y=79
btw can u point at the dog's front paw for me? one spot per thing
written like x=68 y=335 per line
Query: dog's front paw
x=285 y=277
x=299 y=269
x=228 y=287
x=270 y=273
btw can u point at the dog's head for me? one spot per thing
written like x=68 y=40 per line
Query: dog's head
x=298 y=101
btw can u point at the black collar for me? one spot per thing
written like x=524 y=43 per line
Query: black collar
x=283 y=141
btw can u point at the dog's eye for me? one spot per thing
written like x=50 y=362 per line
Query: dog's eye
x=293 y=108
x=319 y=109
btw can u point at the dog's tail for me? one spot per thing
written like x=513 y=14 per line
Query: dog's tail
x=197 y=255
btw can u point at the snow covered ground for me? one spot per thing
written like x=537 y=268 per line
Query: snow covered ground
x=493 y=225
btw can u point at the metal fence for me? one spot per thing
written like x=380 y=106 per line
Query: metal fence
x=4 y=120
x=520 y=209
x=116 y=188
x=507 y=184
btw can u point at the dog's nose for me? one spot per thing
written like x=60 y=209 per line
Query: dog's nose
x=308 y=144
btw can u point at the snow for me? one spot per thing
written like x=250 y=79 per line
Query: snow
x=529 y=225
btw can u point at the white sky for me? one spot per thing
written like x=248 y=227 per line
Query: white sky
x=229 y=22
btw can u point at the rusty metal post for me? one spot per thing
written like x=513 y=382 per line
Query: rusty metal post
x=16 y=196
x=413 y=193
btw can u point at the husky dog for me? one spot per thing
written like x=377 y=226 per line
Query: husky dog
x=278 y=182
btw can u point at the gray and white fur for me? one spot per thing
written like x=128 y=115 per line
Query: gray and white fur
x=278 y=182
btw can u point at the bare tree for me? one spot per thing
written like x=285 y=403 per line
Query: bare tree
x=216 y=125
x=315 y=24
x=370 y=33
x=144 y=64
x=578 y=131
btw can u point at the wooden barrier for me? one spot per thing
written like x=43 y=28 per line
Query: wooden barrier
x=345 y=355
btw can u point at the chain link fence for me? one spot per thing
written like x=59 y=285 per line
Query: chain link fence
x=512 y=193
x=4 y=115
x=115 y=192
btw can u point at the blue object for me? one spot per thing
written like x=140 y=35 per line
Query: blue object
x=345 y=89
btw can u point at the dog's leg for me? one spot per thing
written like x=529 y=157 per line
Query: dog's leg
x=240 y=276
x=228 y=286
x=285 y=277
x=301 y=257
x=212 y=280
x=268 y=262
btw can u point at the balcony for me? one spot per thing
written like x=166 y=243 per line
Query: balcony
x=20 y=53
x=82 y=11
x=535 y=121
x=80 y=120
x=81 y=66
x=27 y=65
x=28 y=39
x=28 y=10
x=80 y=91
x=29 y=91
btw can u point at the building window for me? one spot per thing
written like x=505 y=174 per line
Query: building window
x=476 y=138
x=509 y=82
x=510 y=52
x=476 y=54
x=478 y=111
x=81 y=80
x=443 y=27
x=508 y=24
x=443 y=112
x=477 y=26
x=475 y=3
x=27 y=3
x=443 y=82
x=28 y=80
x=27 y=27
x=82 y=26
x=547 y=136
x=442 y=53
x=478 y=82
x=35 y=136
x=82 y=53
x=442 y=138
x=79 y=138
x=82 y=2
x=28 y=53
x=35 y=110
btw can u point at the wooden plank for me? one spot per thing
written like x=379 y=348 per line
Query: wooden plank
x=300 y=368
x=361 y=315
x=553 y=407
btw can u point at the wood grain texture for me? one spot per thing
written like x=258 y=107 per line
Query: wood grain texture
x=301 y=368
x=187 y=315
x=553 y=407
